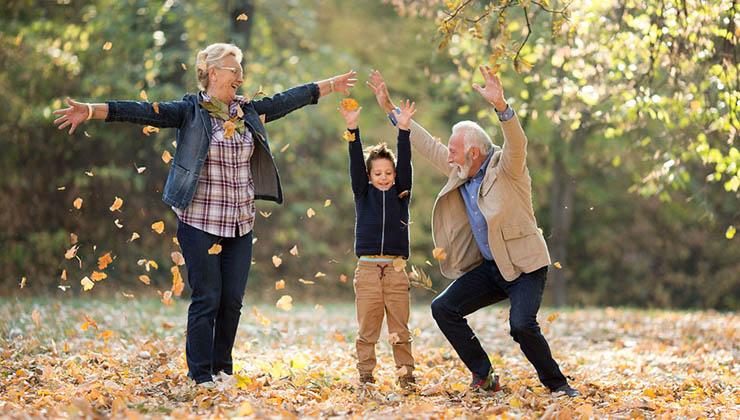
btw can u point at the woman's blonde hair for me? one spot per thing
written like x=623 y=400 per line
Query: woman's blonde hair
x=213 y=55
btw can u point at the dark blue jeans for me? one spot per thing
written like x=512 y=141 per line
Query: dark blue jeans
x=217 y=282
x=484 y=286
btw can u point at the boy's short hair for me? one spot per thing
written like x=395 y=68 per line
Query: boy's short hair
x=379 y=151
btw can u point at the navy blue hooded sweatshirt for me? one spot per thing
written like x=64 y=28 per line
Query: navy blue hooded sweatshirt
x=381 y=217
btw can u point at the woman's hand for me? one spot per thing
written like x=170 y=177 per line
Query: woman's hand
x=377 y=84
x=350 y=117
x=407 y=111
x=342 y=83
x=493 y=91
x=71 y=117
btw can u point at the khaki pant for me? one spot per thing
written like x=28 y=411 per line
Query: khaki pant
x=379 y=290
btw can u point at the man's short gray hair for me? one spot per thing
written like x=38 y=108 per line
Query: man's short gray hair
x=473 y=135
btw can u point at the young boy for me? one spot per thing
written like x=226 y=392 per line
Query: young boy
x=382 y=191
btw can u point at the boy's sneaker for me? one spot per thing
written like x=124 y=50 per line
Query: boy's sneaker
x=407 y=382
x=488 y=384
x=367 y=378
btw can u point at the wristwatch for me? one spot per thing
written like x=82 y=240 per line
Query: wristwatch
x=392 y=116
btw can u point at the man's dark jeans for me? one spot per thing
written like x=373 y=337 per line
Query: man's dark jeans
x=218 y=282
x=484 y=286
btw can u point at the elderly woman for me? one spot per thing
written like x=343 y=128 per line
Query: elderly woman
x=222 y=165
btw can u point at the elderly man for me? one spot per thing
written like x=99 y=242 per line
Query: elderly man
x=484 y=220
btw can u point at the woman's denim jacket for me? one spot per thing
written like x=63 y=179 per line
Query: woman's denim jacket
x=193 y=125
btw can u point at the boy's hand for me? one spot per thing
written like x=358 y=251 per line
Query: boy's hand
x=408 y=109
x=350 y=117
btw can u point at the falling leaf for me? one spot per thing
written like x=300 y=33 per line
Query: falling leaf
x=177 y=284
x=265 y=214
x=106 y=335
x=118 y=224
x=148 y=129
x=155 y=105
x=294 y=251
x=36 y=316
x=229 y=128
x=144 y=279
x=134 y=236
x=343 y=278
x=338 y=337
x=215 y=249
x=306 y=281
x=107 y=46
x=242 y=16
x=310 y=213
x=184 y=67
x=143 y=95
x=349 y=104
x=417 y=332
x=327 y=203
x=260 y=318
x=319 y=275
x=167 y=298
x=552 y=317
x=348 y=136
x=140 y=169
x=557 y=265
x=285 y=303
x=89 y=322
x=439 y=254
x=166 y=157
x=284 y=148
x=104 y=261
x=97 y=276
x=23 y=282
x=61 y=188
x=399 y=263
x=730 y=233
x=86 y=283
x=77 y=203
x=158 y=227
x=177 y=258
x=276 y=261
x=71 y=252
x=127 y=295
x=117 y=203
x=280 y=284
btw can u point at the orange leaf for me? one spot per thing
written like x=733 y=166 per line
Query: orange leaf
x=349 y=104
x=117 y=203
x=144 y=279
x=280 y=284
x=77 y=203
x=276 y=261
x=155 y=105
x=439 y=254
x=104 y=261
x=148 y=129
x=242 y=16
x=107 y=46
x=215 y=249
x=143 y=95
x=177 y=258
x=166 y=157
x=97 y=276
x=177 y=284
x=158 y=227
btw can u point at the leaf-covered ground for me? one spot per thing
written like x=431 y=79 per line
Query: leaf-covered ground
x=125 y=358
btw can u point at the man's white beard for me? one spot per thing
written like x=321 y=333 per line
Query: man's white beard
x=462 y=171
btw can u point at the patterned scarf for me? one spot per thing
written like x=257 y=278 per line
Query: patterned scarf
x=220 y=110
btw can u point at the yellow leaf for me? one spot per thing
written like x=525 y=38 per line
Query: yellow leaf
x=244 y=17
x=349 y=104
x=177 y=284
x=127 y=295
x=166 y=157
x=552 y=317
x=439 y=254
x=319 y=274
x=310 y=213
x=306 y=281
x=177 y=258
x=557 y=265
x=215 y=249
x=158 y=227
x=117 y=203
x=77 y=203
x=107 y=46
x=730 y=233
x=229 y=128
x=144 y=279
x=276 y=261
x=245 y=409
x=515 y=402
x=265 y=214
x=118 y=224
x=104 y=261
x=143 y=95
x=86 y=283
x=285 y=303
x=155 y=105
x=148 y=129
x=97 y=276
x=134 y=236
x=280 y=284
x=89 y=322
x=260 y=318
x=458 y=387
x=348 y=136
x=399 y=263
x=106 y=335
x=294 y=251
x=417 y=332
x=327 y=203
x=284 y=148
x=184 y=67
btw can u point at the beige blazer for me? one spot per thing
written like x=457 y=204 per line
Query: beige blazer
x=505 y=199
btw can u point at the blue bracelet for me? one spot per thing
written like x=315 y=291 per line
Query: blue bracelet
x=392 y=117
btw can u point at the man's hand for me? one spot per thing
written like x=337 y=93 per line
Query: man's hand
x=492 y=92
x=407 y=111
x=377 y=84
